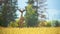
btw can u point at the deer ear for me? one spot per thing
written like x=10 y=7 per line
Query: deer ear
x=24 y=10
x=19 y=10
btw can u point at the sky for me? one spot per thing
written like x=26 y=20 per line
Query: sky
x=53 y=8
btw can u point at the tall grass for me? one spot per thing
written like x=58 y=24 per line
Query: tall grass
x=38 y=30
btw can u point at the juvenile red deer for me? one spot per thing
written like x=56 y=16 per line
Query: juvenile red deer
x=21 y=18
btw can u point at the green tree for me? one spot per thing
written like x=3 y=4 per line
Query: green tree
x=31 y=17
x=8 y=13
x=57 y=23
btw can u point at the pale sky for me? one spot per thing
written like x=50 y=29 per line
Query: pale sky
x=53 y=8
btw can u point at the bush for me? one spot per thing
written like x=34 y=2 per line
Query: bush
x=13 y=24
x=48 y=24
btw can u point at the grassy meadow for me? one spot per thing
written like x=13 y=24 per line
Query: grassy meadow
x=38 y=30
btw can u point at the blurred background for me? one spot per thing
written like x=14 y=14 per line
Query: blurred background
x=29 y=13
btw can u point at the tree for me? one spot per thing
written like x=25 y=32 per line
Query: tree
x=57 y=23
x=8 y=13
x=31 y=17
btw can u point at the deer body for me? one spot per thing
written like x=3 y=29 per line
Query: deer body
x=21 y=21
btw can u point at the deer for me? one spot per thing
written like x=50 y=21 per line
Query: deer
x=21 y=20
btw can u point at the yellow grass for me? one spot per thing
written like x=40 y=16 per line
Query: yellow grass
x=42 y=30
